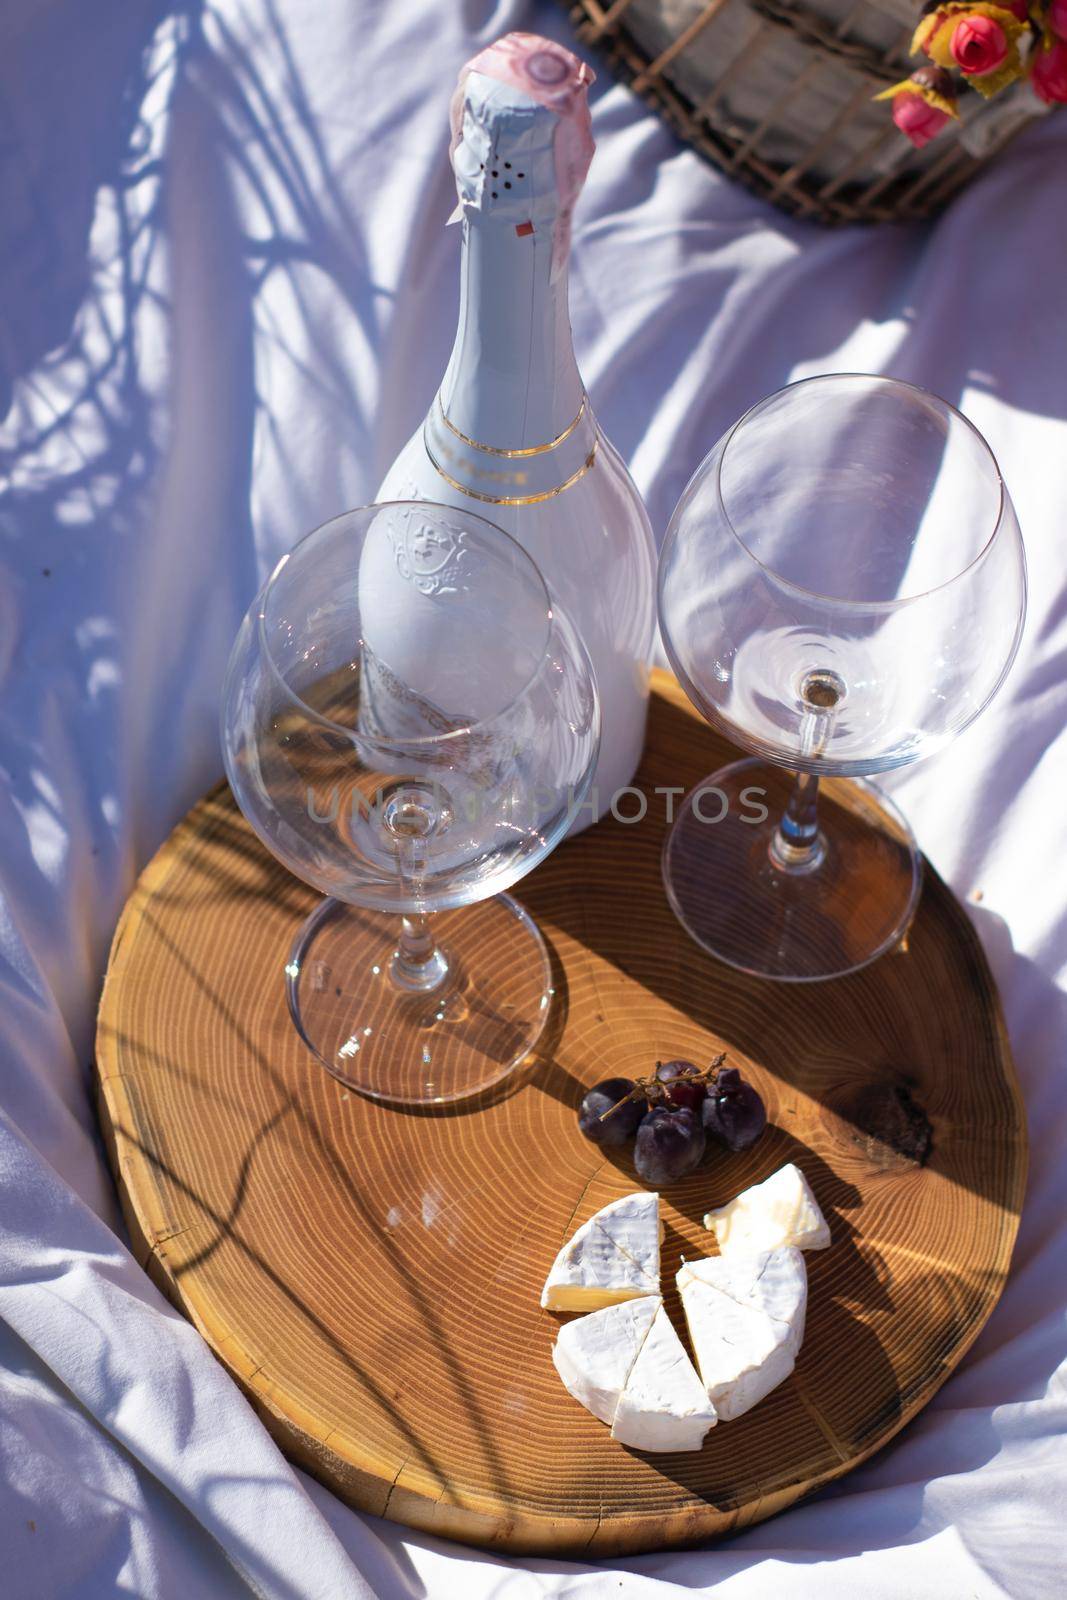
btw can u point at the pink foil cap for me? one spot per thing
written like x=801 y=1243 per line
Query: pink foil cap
x=557 y=80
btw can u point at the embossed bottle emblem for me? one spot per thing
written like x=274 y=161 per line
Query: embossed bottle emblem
x=433 y=557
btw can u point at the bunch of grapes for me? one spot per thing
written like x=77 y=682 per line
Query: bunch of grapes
x=671 y=1116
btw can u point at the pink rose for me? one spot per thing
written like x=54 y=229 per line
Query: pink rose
x=1049 y=73
x=978 y=46
x=917 y=120
x=1057 y=18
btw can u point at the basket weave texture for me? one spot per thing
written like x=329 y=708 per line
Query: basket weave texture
x=778 y=93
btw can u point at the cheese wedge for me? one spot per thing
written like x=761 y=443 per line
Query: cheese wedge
x=595 y=1355
x=664 y=1405
x=614 y=1256
x=780 y=1211
x=746 y=1323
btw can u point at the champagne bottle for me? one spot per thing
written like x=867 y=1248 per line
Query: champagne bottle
x=511 y=433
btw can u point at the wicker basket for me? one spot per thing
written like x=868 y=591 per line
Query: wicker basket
x=778 y=94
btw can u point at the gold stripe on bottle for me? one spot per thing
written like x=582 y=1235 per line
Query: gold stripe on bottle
x=515 y=499
x=530 y=450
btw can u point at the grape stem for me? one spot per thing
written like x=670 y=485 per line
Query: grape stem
x=654 y=1090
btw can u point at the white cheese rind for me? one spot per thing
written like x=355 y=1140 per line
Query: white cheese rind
x=634 y=1227
x=780 y=1211
x=595 y=1355
x=612 y=1257
x=664 y=1405
x=746 y=1322
x=774 y=1282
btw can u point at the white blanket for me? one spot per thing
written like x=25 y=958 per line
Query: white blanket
x=226 y=293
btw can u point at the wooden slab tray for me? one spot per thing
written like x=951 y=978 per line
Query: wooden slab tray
x=371 y=1277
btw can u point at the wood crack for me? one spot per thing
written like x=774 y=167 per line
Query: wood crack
x=840 y=1450
x=593 y=1176
x=396 y=1478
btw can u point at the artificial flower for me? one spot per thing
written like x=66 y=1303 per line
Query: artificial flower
x=922 y=104
x=979 y=45
x=1048 y=72
x=981 y=39
x=917 y=120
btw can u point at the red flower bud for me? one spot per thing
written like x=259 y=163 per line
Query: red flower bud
x=1049 y=73
x=917 y=120
x=978 y=46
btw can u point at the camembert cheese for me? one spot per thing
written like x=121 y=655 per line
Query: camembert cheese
x=780 y=1211
x=595 y=1355
x=612 y=1257
x=664 y=1405
x=746 y=1322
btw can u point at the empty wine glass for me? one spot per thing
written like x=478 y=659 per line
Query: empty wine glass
x=409 y=724
x=842 y=590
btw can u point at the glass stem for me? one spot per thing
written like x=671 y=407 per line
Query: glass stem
x=798 y=846
x=411 y=815
x=418 y=964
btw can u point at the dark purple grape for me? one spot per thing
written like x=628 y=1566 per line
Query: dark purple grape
x=733 y=1111
x=622 y=1124
x=669 y=1145
x=680 y=1093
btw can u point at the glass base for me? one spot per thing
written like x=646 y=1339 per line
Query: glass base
x=429 y=1046
x=798 y=925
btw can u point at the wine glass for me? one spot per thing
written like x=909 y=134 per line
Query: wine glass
x=410 y=724
x=841 y=590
